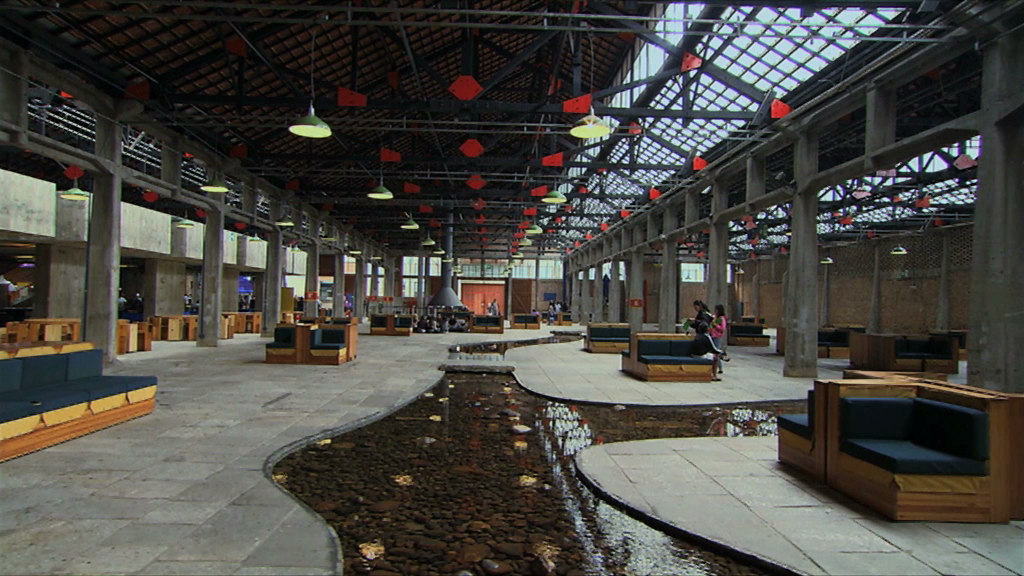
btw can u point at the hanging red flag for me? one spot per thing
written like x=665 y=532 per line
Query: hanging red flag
x=472 y=148
x=690 y=61
x=539 y=192
x=780 y=109
x=410 y=188
x=654 y=193
x=699 y=163
x=555 y=159
x=150 y=196
x=73 y=172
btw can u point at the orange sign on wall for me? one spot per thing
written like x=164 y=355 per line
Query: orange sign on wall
x=371 y=298
x=636 y=302
x=312 y=296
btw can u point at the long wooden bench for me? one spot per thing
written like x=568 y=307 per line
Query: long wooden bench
x=748 y=335
x=483 y=324
x=663 y=357
x=49 y=399
x=525 y=322
x=607 y=337
x=914 y=449
x=563 y=319
x=904 y=353
x=391 y=324
x=319 y=344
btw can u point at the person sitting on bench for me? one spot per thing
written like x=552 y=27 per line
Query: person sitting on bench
x=703 y=344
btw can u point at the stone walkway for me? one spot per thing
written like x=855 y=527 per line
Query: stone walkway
x=566 y=372
x=733 y=493
x=183 y=490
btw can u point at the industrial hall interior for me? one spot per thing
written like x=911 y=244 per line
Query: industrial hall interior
x=489 y=287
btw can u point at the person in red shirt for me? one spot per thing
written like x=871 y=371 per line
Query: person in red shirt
x=717 y=330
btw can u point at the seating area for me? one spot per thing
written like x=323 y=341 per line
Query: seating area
x=46 y=399
x=833 y=343
x=913 y=449
x=660 y=357
x=898 y=352
x=752 y=320
x=42 y=330
x=391 y=324
x=175 y=328
x=324 y=344
x=607 y=337
x=563 y=319
x=748 y=335
x=488 y=324
x=525 y=322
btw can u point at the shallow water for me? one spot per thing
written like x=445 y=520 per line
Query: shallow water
x=447 y=485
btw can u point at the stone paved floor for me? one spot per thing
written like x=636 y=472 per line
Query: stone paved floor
x=733 y=491
x=182 y=490
x=565 y=371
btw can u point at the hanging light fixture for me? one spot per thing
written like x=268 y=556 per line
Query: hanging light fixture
x=446 y=259
x=899 y=251
x=525 y=242
x=182 y=223
x=217 y=186
x=74 y=193
x=534 y=229
x=310 y=126
x=255 y=239
x=517 y=255
x=375 y=257
x=590 y=126
x=428 y=241
x=285 y=222
x=827 y=260
x=354 y=251
x=410 y=224
x=380 y=193
x=553 y=197
x=439 y=251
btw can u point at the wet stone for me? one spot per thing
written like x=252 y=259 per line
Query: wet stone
x=510 y=549
x=495 y=567
x=474 y=553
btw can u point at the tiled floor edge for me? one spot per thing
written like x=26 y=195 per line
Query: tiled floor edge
x=759 y=562
x=282 y=452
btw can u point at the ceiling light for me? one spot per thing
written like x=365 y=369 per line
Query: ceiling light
x=534 y=229
x=214 y=186
x=182 y=223
x=74 y=193
x=380 y=193
x=328 y=239
x=590 y=126
x=526 y=242
x=446 y=260
x=439 y=251
x=310 y=126
x=553 y=197
x=255 y=239
x=355 y=251
x=285 y=222
x=410 y=224
x=827 y=260
x=899 y=251
x=517 y=255
x=428 y=241
x=375 y=257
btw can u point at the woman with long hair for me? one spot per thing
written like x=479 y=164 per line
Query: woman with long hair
x=717 y=330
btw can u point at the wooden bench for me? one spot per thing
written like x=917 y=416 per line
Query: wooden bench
x=51 y=398
x=662 y=357
x=748 y=335
x=914 y=449
x=391 y=324
x=563 y=319
x=607 y=337
x=799 y=446
x=483 y=324
x=751 y=320
x=525 y=322
x=903 y=353
x=327 y=344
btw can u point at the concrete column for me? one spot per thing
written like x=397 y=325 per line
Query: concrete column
x=755 y=291
x=755 y=177
x=14 y=96
x=259 y=292
x=718 y=251
x=213 y=275
x=997 y=269
x=273 y=281
x=597 y=298
x=875 y=315
x=170 y=163
x=58 y=281
x=359 y=290
x=577 y=296
x=635 y=276
x=668 y=299
x=802 y=296
x=104 y=247
x=338 y=305
x=615 y=293
x=421 y=281
x=374 y=278
x=229 y=290
x=163 y=288
x=826 y=301
x=942 y=306
x=311 y=307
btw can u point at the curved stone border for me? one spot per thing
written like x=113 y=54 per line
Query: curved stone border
x=694 y=538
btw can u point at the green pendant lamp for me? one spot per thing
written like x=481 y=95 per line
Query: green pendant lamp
x=428 y=241
x=380 y=193
x=182 y=223
x=285 y=222
x=74 y=193
x=590 y=126
x=310 y=126
x=534 y=229
x=217 y=186
x=553 y=197
x=525 y=242
x=410 y=224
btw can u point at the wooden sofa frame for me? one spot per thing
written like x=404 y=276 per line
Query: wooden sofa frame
x=391 y=328
x=878 y=352
x=632 y=365
x=605 y=347
x=499 y=328
x=532 y=323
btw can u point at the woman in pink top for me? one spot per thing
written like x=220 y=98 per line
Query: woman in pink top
x=717 y=331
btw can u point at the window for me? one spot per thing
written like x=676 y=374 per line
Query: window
x=410 y=266
x=410 y=287
x=550 y=269
x=524 y=269
x=691 y=272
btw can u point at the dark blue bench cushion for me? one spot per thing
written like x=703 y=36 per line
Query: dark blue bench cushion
x=958 y=430
x=526 y=319
x=13 y=410
x=329 y=336
x=48 y=397
x=675 y=360
x=624 y=340
x=738 y=330
x=875 y=418
x=43 y=370
x=654 y=347
x=378 y=321
x=10 y=375
x=403 y=321
x=681 y=347
x=836 y=338
x=906 y=457
x=800 y=424
x=619 y=332
x=85 y=364
x=597 y=333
